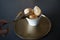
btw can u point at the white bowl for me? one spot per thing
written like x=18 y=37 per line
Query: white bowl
x=33 y=22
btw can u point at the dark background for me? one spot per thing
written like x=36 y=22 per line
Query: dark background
x=51 y=8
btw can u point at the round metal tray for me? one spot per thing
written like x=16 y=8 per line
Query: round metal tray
x=42 y=29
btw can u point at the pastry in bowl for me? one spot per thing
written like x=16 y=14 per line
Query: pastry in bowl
x=33 y=15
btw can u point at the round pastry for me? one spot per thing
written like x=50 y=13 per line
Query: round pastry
x=37 y=11
x=28 y=11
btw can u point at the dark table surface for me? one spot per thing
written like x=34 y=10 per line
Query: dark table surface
x=51 y=8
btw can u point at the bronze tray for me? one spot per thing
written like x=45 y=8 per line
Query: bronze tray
x=41 y=29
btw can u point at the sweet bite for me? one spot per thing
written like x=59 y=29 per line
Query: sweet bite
x=32 y=13
x=37 y=11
